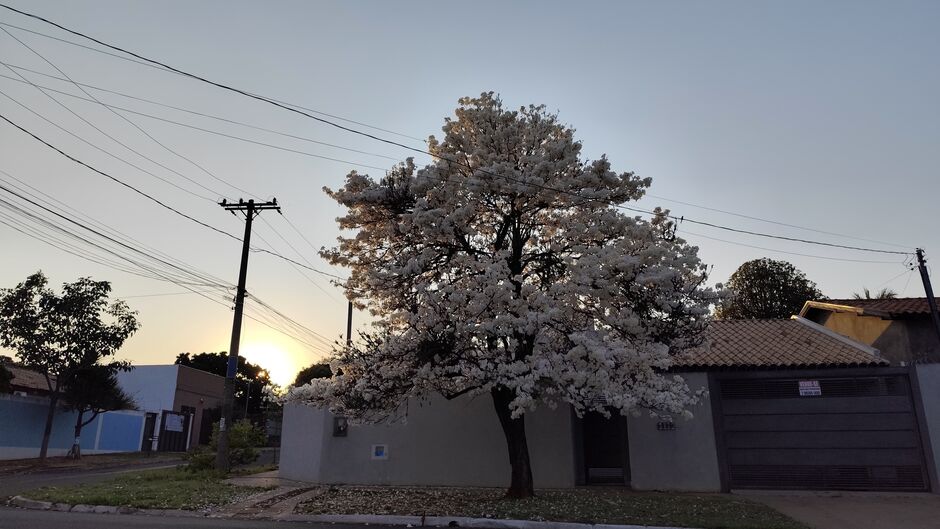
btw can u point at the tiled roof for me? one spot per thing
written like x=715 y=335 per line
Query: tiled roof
x=774 y=344
x=27 y=378
x=891 y=307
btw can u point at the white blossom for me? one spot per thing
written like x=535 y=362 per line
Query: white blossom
x=516 y=272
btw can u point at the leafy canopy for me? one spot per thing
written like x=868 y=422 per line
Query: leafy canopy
x=57 y=333
x=311 y=372
x=503 y=267
x=767 y=289
x=217 y=363
x=95 y=389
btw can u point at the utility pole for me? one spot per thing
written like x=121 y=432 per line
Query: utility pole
x=931 y=301
x=349 y=326
x=251 y=210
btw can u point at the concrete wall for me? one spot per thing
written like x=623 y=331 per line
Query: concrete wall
x=900 y=341
x=23 y=420
x=682 y=459
x=455 y=442
x=928 y=380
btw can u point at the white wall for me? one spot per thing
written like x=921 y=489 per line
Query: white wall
x=153 y=388
x=455 y=442
x=682 y=459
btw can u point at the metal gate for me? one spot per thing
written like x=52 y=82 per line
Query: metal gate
x=820 y=431
x=173 y=430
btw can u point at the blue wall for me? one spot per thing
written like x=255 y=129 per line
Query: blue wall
x=120 y=432
x=22 y=420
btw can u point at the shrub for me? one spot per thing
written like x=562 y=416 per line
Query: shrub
x=243 y=437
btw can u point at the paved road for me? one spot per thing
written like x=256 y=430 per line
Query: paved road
x=24 y=519
x=12 y=484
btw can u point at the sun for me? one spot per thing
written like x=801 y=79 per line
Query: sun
x=274 y=358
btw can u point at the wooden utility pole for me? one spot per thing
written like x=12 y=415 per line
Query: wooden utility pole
x=928 y=290
x=251 y=210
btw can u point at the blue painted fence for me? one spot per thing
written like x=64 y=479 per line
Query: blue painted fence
x=22 y=420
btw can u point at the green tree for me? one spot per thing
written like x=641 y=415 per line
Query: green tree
x=251 y=379
x=55 y=334
x=884 y=293
x=767 y=289
x=93 y=390
x=311 y=372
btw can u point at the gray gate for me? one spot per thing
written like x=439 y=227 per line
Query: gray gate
x=820 y=431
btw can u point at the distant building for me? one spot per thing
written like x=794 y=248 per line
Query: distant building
x=180 y=402
x=902 y=328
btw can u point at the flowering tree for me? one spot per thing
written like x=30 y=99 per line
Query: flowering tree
x=506 y=268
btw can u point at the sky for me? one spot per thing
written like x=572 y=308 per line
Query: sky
x=818 y=115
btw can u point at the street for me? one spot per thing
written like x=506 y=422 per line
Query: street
x=25 y=519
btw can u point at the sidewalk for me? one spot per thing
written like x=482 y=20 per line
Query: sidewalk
x=855 y=510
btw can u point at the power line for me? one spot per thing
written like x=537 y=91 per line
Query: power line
x=180 y=109
x=828 y=258
x=422 y=151
x=769 y=221
x=526 y=183
x=53 y=202
x=97 y=148
x=143 y=63
x=159 y=202
x=119 y=181
x=160 y=275
x=145 y=133
x=232 y=136
x=93 y=230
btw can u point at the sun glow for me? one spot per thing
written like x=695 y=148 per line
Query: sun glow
x=276 y=359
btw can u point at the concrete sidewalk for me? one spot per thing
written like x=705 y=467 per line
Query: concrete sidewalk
x=855 y=510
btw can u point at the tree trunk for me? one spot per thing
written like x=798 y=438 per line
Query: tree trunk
x=76 y=451
x=47 y=432
x=520 y=485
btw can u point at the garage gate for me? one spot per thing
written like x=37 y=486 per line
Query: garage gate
x=818 y=431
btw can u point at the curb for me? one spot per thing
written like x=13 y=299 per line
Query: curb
x=36 y=505
x=453 y=521
x=407 y=521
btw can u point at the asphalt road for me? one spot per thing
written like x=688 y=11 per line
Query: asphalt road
x=24 y=519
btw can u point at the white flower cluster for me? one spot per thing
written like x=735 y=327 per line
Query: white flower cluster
x=505 y=266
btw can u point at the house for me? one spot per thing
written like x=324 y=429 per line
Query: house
x=180 y=402
x=23 y=416
x=792 y=405
x=25 y=381
x=902 y=328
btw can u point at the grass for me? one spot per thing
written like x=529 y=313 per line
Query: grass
x=586 y=505
x=151 y=489
x=87 y=462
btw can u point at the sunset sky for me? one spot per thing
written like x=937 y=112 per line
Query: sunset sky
x=819 y=115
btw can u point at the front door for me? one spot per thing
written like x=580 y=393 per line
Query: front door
x=606 y=456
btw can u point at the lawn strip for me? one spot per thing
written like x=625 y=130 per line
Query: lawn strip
x=152 y=489
x=584 y=505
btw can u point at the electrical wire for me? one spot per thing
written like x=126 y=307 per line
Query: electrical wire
x=142 y=63
x=181 y=109
x=279 y=327
x=425 y=152
x=121 y=116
